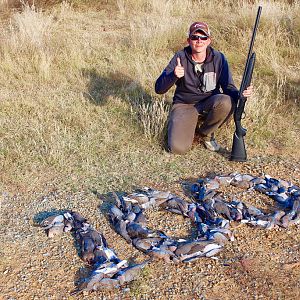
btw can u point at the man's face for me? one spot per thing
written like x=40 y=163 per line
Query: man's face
x=198 y=42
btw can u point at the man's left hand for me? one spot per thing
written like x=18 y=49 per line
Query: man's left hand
x=248 y=91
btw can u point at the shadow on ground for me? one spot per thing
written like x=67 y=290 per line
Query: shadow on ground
x=100 y=88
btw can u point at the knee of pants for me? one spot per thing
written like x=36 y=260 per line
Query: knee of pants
x=226 y=104
x=177 y=148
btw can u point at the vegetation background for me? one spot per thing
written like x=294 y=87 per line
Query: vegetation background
x=78 y=110
x=77 y=99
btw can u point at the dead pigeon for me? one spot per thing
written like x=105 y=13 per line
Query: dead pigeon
x=208 y=251
x=211 y=184
x=274 y=219
x=130 y=273
x=120 y=227
x=115 y=212
x=106 y=284
x=224 y=180
x=140 y=219
x=222 y=208
x=139 y=198
x=135 y=230
x=186 y=247
x=142 y=244
x=87 y=249
x=218 y=237
x=52 y=221
x=158 y=254
x=56 y=229
x=131 y=216
x=285 y=220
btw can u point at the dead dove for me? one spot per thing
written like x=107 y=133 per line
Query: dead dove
x=211 y=184
x=106 y=284
x=56 y=229
x=130 y=273
x=142 y=244
x=253 y=211
x=115 y=212
x=225 y=231
x=176 y=205
x=87 y=250
x=120 y=227
x=208 y=251
x=138 y=198
x=186 y=247
x=222 y=208
x=218 y=237
x=224 y=180
x=140 y=219
x=274 y=219
x=131 y=216
x=258 y=180
x=135 y=230
x=52 y=221
x=261 y=188
x=120 y=202
x=285 y=220
x=158 y=254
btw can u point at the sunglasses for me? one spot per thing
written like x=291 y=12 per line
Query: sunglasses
x=199 y=37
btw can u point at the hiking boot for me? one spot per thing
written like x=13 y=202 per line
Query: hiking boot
x=211 y=144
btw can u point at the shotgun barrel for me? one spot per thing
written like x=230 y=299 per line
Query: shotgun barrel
x=238 y=152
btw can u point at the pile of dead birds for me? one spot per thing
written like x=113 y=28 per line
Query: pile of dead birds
x=108 y=270
x=208 y=210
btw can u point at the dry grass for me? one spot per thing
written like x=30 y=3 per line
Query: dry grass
x=78 y=113
x=77 y=80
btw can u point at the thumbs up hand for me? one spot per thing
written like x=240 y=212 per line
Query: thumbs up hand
x=179 y=70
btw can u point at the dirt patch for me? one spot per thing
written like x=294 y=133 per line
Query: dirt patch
x=258 y=264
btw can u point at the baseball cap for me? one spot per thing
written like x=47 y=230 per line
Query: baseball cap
x=199 y=26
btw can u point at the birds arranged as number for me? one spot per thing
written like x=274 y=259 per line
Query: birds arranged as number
x=210 y=213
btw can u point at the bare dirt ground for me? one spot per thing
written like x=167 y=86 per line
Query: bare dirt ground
x=259 y=264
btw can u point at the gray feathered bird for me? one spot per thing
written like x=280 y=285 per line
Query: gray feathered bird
x=130 y=273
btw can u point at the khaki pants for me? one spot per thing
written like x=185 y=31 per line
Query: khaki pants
x=184 y=118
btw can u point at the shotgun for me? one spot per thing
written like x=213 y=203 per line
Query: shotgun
x=238 y=152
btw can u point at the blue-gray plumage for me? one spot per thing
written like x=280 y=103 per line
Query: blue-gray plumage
x=258 y=180
x=135 y=230
x=121 y=228
x=164 y=254
x=285 y=220
x=176 y=205
x=142 y=244
x=106 y=284
x=261 y=188
x=283 y=199
x=87 y=250
x=130 y=273
x=222 y=208
x=218 y=237
x=131 y=216
x=224 y=179
x=115 y=212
